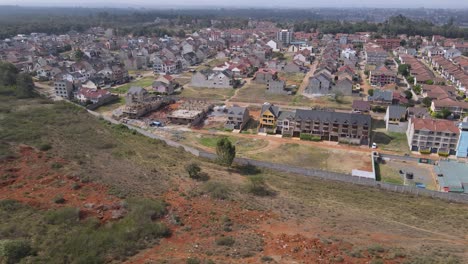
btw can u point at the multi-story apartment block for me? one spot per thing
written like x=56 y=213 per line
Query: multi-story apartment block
x=285 y=36
x=462 y=147
x=268 y=117
x=382 y=76
x=375 y=55
x=332 y=126
x=64 y=89
x=388 y=44
x=432 y=135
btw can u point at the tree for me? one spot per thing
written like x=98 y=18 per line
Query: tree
x=8 y=73
x=403 y=43
x=403 y=69
x=339 y=97
x=410 y=79
x=430 y=82
x=370 y=92
x=408 y=94
x=193 y=170
x=24 y=86
x=417 y=89
x=79 y=54
x=426 y=101
x=225 y=151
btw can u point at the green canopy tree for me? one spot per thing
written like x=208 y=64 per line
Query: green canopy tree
x=226 y=152
x=8 y=74
x=24 y=86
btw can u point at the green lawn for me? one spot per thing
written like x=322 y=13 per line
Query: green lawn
x=112 y=106
x=389 y=174
x=390 y=141
x=143 y=82
x=207 y=93
x=242 y=144
x=292 y=78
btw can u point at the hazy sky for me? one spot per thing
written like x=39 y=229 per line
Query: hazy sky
x=244 y=3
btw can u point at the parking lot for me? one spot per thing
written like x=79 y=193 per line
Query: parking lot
x=422 y=173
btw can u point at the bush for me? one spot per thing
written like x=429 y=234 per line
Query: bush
x=193 y=261
x=10 y=205
x=217 y=190
x=45 y=147
x=67 y=215
x=266 y=259
x=257 y=186
x=225 y=241
x=443 y=154
x=195 y=172
x=58 y=199
x=309 y=137
x=12 y=251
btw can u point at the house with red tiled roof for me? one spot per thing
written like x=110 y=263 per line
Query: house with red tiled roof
x=92 y=95
x=432 y=135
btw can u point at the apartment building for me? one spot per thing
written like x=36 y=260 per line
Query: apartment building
x=375 y=55
x=432 y=135
x=331 y=126
x=64 y=89
x=382 y=76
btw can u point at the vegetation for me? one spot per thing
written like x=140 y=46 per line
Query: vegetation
x=14 y=83
x=426 y=101
x=309 y=137
x=226 y=152
x=404 y=69
x=195 y=172
x=370 y=92
x=64 y=237
x=257 y=186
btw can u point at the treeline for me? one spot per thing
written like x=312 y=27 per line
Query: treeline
x=13 y=83
x=393 y=26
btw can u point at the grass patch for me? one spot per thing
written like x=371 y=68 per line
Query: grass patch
x=207 y=93
x=143 y=82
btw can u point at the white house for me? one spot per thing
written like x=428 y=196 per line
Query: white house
x=273 y=45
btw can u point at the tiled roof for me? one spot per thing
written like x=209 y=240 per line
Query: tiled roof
x=436 y=125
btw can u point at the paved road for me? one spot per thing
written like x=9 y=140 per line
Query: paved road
x=309 y=74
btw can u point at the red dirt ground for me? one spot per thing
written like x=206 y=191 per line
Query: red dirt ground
x=31 y=179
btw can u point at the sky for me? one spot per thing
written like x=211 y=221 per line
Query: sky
x=243 y=3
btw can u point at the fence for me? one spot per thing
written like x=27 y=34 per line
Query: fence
x=327 y=175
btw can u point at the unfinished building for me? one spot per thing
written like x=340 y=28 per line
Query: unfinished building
x=190 y=112
x=139 y=102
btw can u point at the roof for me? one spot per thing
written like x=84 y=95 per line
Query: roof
x=136 y=90
x=396 y=111
x=333 y=117
x=361 y=105
x=380 y=95
x=236 y=110
x=272 y=108
x=436 y=125
x=93 y=93
x=453 y=175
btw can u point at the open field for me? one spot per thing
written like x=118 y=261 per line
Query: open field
x=299 y=155
x=391 y=141
x=220 y=220
x=207 y=93
x=111 y=106
x=243 y=145
x=256 y=93
x=143 y=82
x=292 y=78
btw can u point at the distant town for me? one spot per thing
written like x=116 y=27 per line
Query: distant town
x=395 y=104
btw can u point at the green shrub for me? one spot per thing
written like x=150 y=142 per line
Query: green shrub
x=217 y=190
x=45 y=147
x=12 y=251
x=10 y=205
x=225 y=241
x=425 y=151
x=193 y=261
x=443 y=154
x=58 y=199
x=266 y=259
x=67 y=215
x=257 y=186
x=56 y=165
x=309 y=137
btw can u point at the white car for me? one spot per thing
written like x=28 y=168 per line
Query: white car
x=374 y=146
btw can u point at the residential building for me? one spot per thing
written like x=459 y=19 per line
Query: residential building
x=396 y=119
x=462 y=147
x=264 y=76
x=237 y=117
x=332 y=126
x=64 y=88
x=94 y=96
x=361 y=106
x=382 y=76
x=381 y=97
x=375 y=55
x=458 y=108
x=165 y=84
x=268 y=117
x=210 y=79
x=388 y=44
x=432 y=135
x=285 y=36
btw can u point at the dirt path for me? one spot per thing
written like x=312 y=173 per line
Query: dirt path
x=309 y=74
